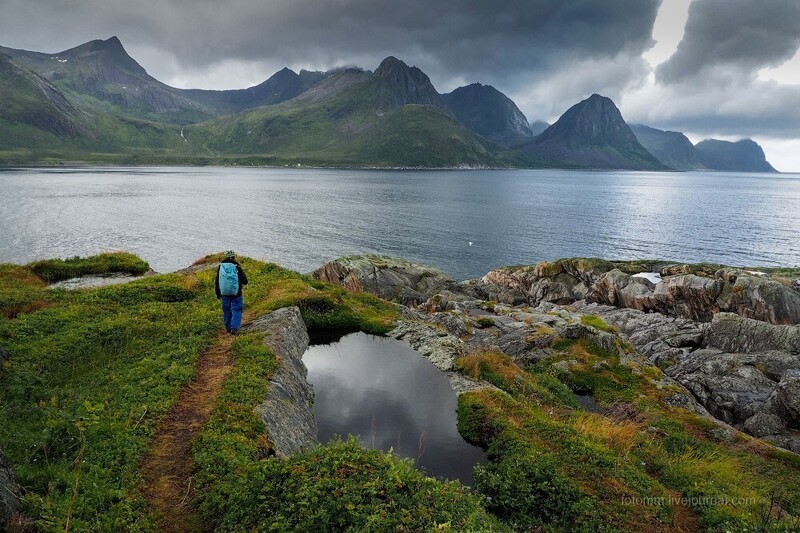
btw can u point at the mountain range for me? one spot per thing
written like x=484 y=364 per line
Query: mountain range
x=94 y=103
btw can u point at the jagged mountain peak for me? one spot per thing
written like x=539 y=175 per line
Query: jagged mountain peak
x=399 y=84
x=391 y=65
x=594 y=120
x=108 y=53
x=282 y=75
x=112 y=43
x=593 y=134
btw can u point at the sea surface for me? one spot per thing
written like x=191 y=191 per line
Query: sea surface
x=465 y=222
x=391 y=398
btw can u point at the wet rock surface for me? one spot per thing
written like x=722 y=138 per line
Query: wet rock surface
x=727 y=339
x=287 y=411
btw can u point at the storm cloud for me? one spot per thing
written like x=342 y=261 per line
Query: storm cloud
x=710 y=86
x=483 y=40
x=737 y=37
x=545 y=54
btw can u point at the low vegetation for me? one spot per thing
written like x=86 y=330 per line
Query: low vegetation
x=54 y=270
x=91 y=372
x=628 y=463
x=597 y=323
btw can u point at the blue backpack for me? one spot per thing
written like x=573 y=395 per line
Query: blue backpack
x=228 y=279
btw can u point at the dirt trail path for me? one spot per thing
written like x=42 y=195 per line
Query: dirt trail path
x=167 y=467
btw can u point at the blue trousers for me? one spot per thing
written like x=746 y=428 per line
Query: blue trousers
x=232 y=311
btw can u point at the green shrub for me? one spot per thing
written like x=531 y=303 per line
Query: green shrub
x=485 y=322
x=55 y=270
x=344 y=487
x=528 y=491
x=597 y=323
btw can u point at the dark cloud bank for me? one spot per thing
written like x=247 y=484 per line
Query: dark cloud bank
x=546 y=54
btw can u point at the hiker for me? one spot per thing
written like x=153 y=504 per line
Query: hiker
x=228 y=286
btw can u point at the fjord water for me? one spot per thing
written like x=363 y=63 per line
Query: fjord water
x=390 y=397
x=301 y=218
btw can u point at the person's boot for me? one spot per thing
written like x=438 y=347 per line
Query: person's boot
x=234 y=331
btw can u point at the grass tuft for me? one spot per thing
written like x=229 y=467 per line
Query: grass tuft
x=55 y=270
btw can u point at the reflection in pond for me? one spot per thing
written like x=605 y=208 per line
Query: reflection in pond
x=389 y=396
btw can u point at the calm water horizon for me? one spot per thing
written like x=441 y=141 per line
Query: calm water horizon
x=464 y=222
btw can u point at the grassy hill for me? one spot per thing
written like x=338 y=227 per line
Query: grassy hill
x=90 y=373
x=354 y=119
x=32 y=111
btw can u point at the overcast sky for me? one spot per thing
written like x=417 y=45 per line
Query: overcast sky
x=722 y=68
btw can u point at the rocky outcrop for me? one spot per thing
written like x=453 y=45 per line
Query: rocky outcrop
x=287 y=411
x=9 y=494
x=732 y=333
x=759 y=297
x=741 y=370
x=561 y=282
x=392 y=279
x=728 y=338
x=731 y=386
x=700 y=297
x=440 y=348
x=746 y=391
x=696 y=292
x=685 y=296
x=621 y=290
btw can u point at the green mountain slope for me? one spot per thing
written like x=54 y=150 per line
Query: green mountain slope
x=39 y=123
x=281 y=86
x=95 y=103
x=593 y=134
x=104 y=71
x=32 y=110
x=742 y=156
x=672 y=148
x=353 y=118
